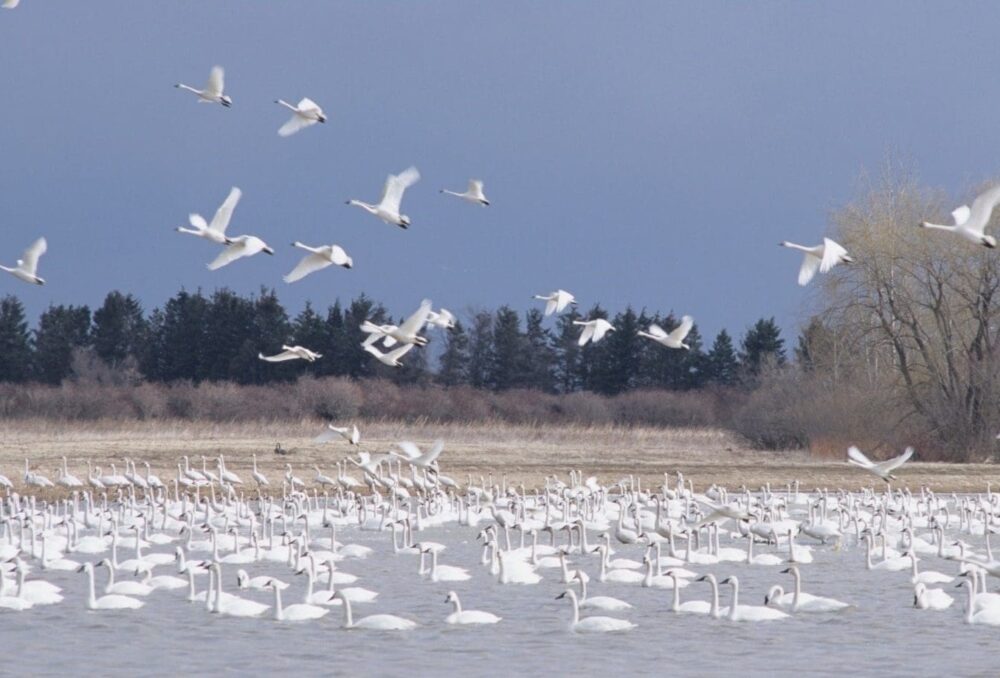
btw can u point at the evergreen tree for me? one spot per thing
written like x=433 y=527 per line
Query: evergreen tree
x=61 y=329
x=269 y=331
x=15 y=342
x=481 y=350
x=454 y=362
x=176 y=336
x=540 y=355
x=508 y=366
x=722 y=367
x=228 y=327
x=119 y=329
x=761 y=345
x=595 y=359
x=338 y=351
x=569 y=370
x=619 y=367
x=309 y=330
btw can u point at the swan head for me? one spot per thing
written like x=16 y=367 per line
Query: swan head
x=321 y=118
x=451 y=597
x=774 y=593
x=268 y=249
x=226 y=100
x=404 y=221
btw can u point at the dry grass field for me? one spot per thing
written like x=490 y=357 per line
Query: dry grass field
x=525 y=453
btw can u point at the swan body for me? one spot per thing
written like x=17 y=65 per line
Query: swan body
x=319 y=258
x=749 y=613
x=298 y=612
x=216 y=230
x=304 y=114
x=970 y=223
x=239 y=247
x=109 y=602
x=292 y=353
x=26 y=268
x=593 y=330
x=460 y=616
x=349 y=433
x=474 y=193
x=388 y=206
x=213 y=93
x=930 y=599
x=375 y=622
x=673 y=339
x=596 y=624
x=819 y=258
x=391 y=358
x=557 y=301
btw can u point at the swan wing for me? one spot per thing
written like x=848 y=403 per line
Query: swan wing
x=657 y=331
x=434 y=452
x=220 y=222
x=476 y=188
x=412 y=325
x=307 y=105
x=30 y=257
x=961 y=214
x=858 y=457
x=395 y=185
x=295 y=124
x=982 y=207
x=550 y=306
x=280 y=357
x=409 y=449
x=309 y=264
x=198 y=221
x=810 y=264
x=326 y=436
x=398 y=353
x=832 y=253
x=216 y=82
x=563 y=299
x=339 y=256
x=600 y=329
x=229 y=254
x=681 y=331
x=893 y=464
x=587 y=334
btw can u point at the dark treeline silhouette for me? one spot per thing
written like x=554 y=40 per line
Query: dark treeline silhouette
x=195 y=338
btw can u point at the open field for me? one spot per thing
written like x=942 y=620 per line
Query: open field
x=525 y=453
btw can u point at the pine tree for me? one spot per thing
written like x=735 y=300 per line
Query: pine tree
x=15 y=342
x=619 y=369
x=270 y=330
x=61 y=329
x=453 y=366
x=722 y=367
x=540 y=357
x=569 y=372
x=119 y=329
x=228 y=328
x=508 y=367
x=761 y=345
x=176 y=336
x=309 y=330
x=481 y=350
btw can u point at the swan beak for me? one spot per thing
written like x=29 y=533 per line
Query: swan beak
x=786 y=571
x=561 y=595
x=80 y=569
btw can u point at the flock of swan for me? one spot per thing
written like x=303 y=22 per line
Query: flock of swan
x=134 y=538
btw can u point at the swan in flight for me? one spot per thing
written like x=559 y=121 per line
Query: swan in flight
x=819 y=258
x=392 y=357
x=443 y=318
x=460 y=616
x=27 y=267
x=673 y=339
x=473 y=194
x=595 y=624
x=215 y=231
x=291 y=353
x=593 y=330
x=970 y=223
x=387 y=208
x=557 y=301
x=10 y=4
x=305 y=114
x=881 y=469
x=238 y=248
x=350 y=434
x=320 y=258
x=213 y=92
x=412 y=455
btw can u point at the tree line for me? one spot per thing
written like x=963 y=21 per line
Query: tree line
x=197 y=337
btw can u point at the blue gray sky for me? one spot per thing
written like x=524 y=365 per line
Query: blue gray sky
x=643 y=153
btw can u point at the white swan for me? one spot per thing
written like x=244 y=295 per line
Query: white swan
x=409 y=331
x=10 y=4
x=989 y=616
x=460 y=616
x=445 y=572
x=26 y=268
x=162 y=581
x=749 y=613
x=882 y=469
x=36 y=592
x=799 y=601
x=927 y=576
x=513 y=571
x=124 y=588
x=259 y=477
x=231 y=606
x=238 y=248
x=292 y=353
x=298 y=612
x=557 y=301
x=412 y=455
x=391 y=358
x=305 y=114
x=388 y=206
x=216 y=230
x=319 y=258
x=374 y=622
x=970 y=223
x=214 y=90
x=593 y=330
x=820 y=258
x=110 y=602
x=673 y=339
x=597 y=602
x=245 y=581
x=443 y=318
x=9 y=602
x=474 y=193
x=349 y=433
x=594 y=624
x=690 y=606
x=930 y=599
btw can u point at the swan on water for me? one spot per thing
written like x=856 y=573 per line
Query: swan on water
x=595 y=624
x=460 y=616
x=799 y=601
x=109 y=602
x=297 y=612
x=375 y=622
x=749 y=613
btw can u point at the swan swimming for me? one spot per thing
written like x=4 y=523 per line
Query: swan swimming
x=297 y=612
x=319 y=258
x=388 y=206
x=460 y=616
x=749 y=613
x=109 y=602
x=26 y=268
x=304 y=114
x=799 y=601
x=930 y=599
x=970 y=223
x=374 y=622
x=596 y=624
x=820 y=258
x=213 y=92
